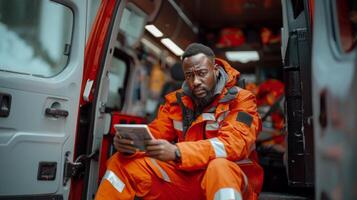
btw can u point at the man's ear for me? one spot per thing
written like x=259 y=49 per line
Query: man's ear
x=216 y=69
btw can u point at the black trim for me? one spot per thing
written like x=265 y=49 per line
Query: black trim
x=298 y=90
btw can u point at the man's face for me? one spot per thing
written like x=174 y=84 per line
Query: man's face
x=200 y=74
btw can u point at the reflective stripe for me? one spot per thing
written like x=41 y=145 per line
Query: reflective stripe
x=163 y=173
x=218 y=147
x=114 y=180
x=178 y=125
x=227 y=194
x=245 y=161
x=223 y=116
x=245 y=182
x=208 y=116
x=212 y=126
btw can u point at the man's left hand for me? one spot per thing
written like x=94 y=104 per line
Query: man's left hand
x=161 y=149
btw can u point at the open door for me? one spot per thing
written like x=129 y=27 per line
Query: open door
x=41 y=66
x=296 y=53
x=334 y=98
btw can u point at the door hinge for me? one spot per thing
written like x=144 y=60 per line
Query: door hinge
x=102 y=108
x=76 y=169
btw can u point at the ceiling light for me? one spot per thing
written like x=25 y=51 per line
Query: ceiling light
x=242 y=56
x=172 y=46
x=154 y=31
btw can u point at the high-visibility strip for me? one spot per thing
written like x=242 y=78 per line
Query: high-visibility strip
x=218 y=147
x=163 y=173
x=227 y=194
x=208 y=116
x=222 y=116
x=114 y=180
x=178 y=125
x=212 y=126
x=245 y=161
x=245 y=182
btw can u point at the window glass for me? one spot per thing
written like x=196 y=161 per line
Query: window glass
x=298 y=7
x=132 y=25
x=35 y=36
x=117 y=74
x=347 y=23
x=92 y=8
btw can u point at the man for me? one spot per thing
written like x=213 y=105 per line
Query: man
x=205 y=138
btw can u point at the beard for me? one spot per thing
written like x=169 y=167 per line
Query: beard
x=203 y=102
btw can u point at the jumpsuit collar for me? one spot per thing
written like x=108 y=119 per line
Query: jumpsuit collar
x=221 y=82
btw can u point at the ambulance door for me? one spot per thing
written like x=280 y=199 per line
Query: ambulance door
x=117 y=29
x=296 y=53
x=41 y=65
x=334 y=78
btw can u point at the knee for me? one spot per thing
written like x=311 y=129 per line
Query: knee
x=219 y=164
x=118 y=160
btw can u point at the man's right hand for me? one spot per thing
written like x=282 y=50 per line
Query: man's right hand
x=124 y=145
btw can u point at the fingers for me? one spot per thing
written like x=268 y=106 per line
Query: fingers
x=154 y=142
x=156 y=147
x=160 y=149
x=125 y=141
x=124 y=145
x=126 y=150
x=154 y=153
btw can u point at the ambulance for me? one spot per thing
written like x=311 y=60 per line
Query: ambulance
x=71 y=69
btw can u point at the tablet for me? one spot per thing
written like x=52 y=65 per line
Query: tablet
x=136 y=132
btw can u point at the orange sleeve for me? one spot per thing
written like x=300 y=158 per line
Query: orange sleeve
x=235 y=139
x=162 y=127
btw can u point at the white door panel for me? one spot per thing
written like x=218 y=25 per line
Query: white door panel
x=29 y=136
x=334 y=100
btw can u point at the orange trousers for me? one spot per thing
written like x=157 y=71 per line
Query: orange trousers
x=148 y=178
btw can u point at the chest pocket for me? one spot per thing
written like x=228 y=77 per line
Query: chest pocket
x=213 y=124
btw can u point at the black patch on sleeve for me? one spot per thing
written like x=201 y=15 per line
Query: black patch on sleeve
x=245 y=118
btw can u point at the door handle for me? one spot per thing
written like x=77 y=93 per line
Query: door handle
x=5 y=105
x=323 y=110
x=54 y=112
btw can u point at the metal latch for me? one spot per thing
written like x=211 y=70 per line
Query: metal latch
x=76 y=169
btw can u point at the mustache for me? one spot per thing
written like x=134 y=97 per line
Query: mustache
x=204 y=101
x=201 y=88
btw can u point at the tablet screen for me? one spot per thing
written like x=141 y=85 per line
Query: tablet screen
x=136 y=132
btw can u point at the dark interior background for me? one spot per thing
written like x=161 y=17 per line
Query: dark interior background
x=212 y=16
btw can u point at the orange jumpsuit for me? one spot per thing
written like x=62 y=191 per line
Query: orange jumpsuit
x=218 y=160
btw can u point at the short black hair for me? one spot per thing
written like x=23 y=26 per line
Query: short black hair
x=197 y=48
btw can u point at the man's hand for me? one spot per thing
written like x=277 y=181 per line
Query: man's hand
x=161 y=149
x=124 y=145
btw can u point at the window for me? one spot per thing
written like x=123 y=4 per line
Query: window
x=132 y=25
x=117 y=82
x=35 y=37
x=347 y=23
x=92 y=8
x=298 y=7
